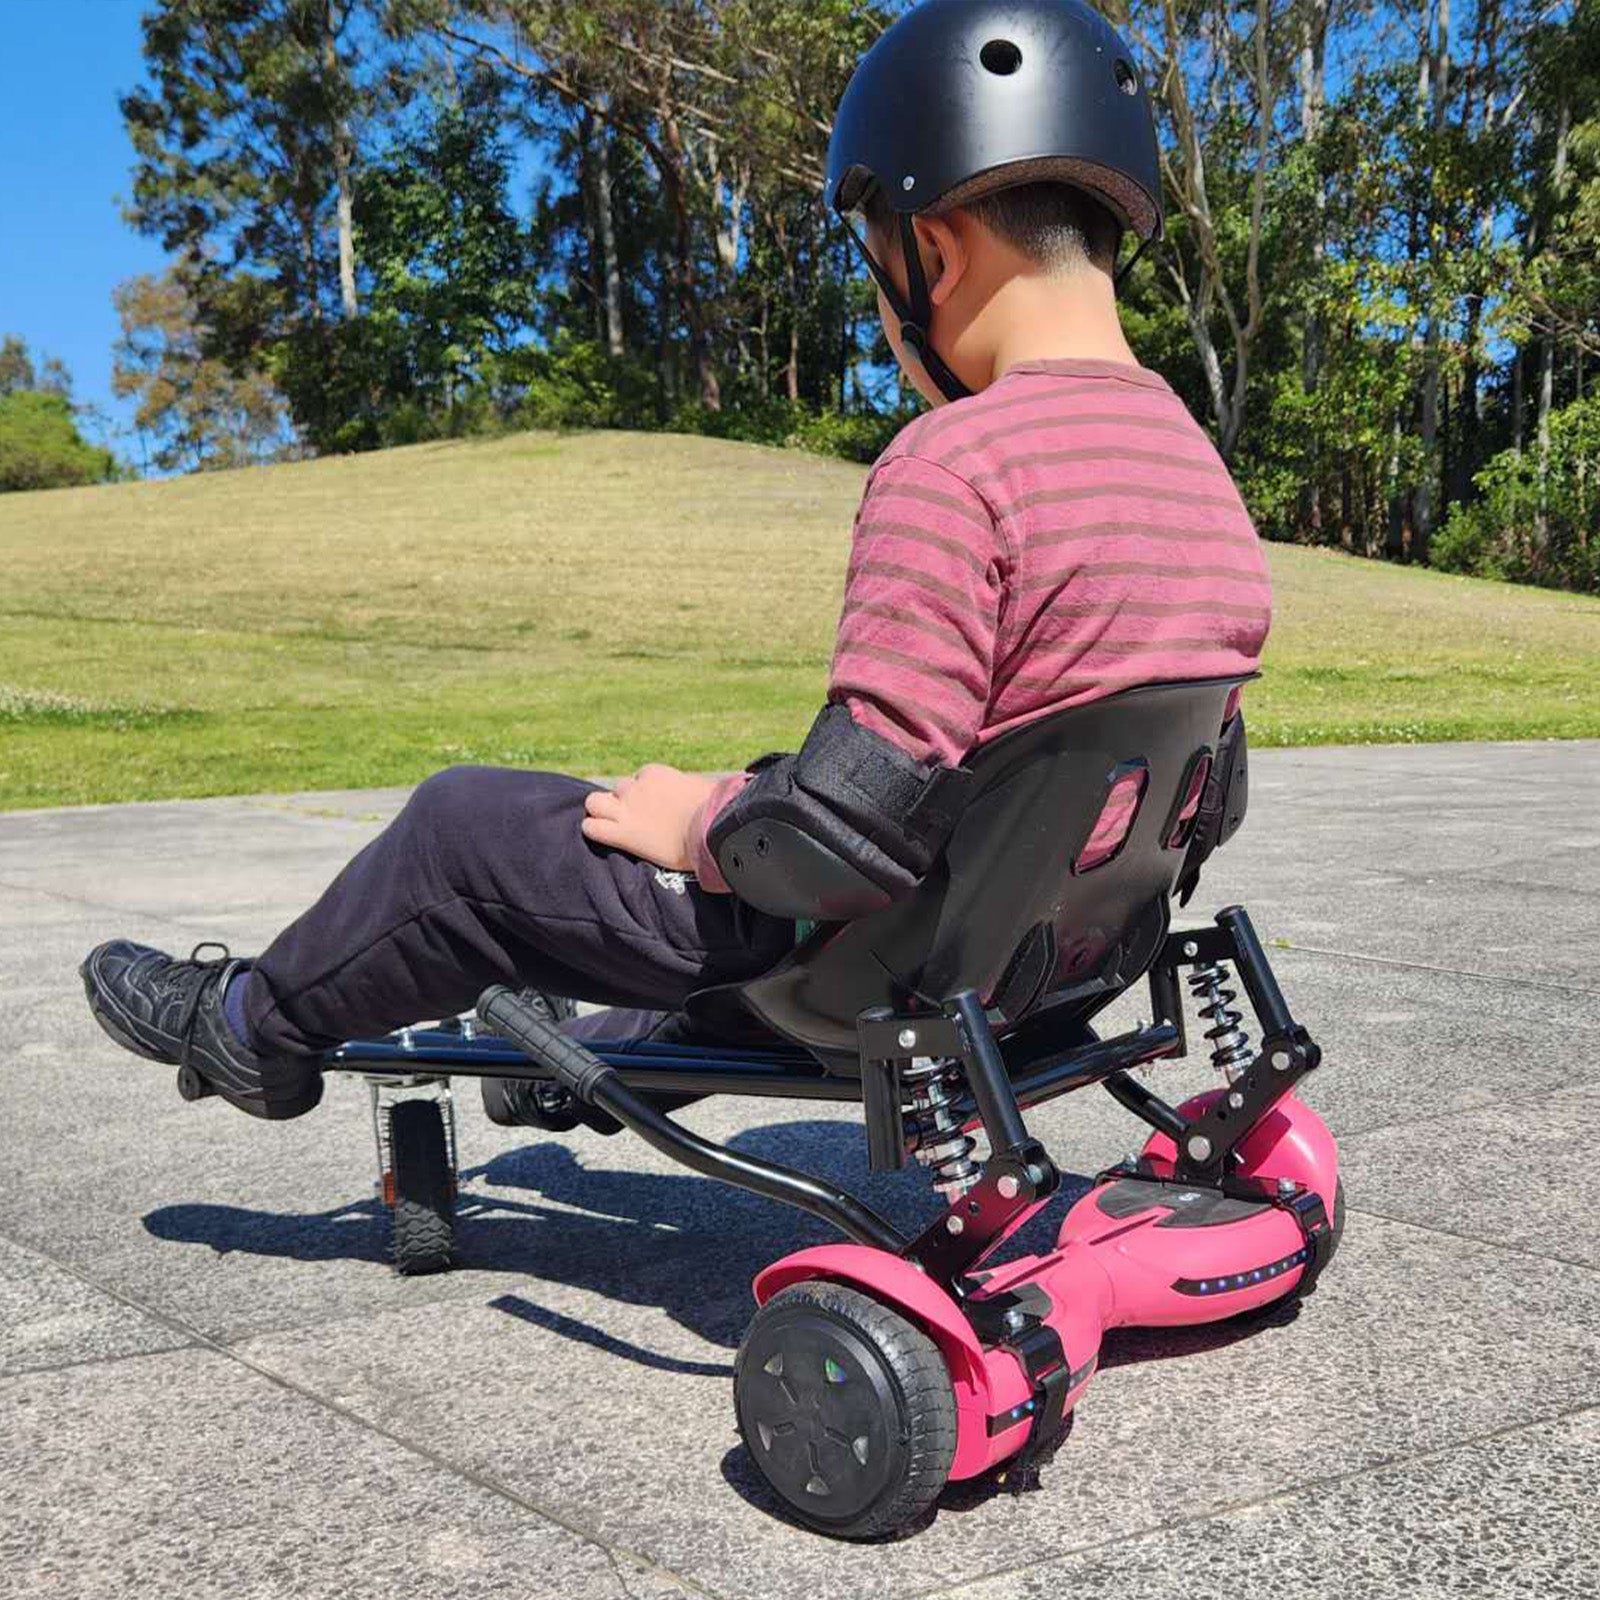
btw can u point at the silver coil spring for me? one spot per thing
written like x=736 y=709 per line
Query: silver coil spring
x=1231 y=1050
x=934 y=1118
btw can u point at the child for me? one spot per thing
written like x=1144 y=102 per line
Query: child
x=1056 y=529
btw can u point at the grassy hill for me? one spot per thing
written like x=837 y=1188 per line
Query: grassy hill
x=588 y=603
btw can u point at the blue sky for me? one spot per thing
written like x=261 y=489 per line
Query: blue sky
x=64 y=162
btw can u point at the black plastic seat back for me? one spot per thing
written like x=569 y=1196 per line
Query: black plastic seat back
x=1012 y=910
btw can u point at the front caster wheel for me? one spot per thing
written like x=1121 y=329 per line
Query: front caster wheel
x=846 y=1409
x=421 y=1189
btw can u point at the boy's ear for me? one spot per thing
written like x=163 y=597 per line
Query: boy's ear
x=945 y=255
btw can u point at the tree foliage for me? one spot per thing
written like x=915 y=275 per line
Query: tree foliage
x=1380 y=285
x=41 y=448
x=41 y=444
x=194 y=413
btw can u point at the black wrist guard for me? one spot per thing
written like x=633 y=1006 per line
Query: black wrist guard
x=843 y=829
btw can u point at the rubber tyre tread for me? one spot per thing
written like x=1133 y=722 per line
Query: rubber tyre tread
x=928 y=1399
x=422 y=1228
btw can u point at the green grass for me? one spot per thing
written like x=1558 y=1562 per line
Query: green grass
x=589 y=603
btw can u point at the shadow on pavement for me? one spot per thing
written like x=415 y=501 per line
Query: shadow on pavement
x=677 y=1242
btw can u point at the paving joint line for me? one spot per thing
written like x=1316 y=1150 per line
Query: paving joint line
x=1290 y=947
x=1503 y=1246
x=93 y=1361
x=198 y=1338
x=1232 y=1508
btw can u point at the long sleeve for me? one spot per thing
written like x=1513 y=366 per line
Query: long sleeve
x=916 y=642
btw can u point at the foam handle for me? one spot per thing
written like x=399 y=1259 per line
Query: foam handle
x=507 y=1014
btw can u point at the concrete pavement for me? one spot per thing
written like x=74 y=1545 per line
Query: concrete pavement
x=211 y=1383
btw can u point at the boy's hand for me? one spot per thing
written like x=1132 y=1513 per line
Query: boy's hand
x=648 y=815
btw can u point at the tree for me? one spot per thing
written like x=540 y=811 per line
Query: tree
x=199 y=414
x=20 y=374
x=248 y=150
x=450 y=289
x=41 y=448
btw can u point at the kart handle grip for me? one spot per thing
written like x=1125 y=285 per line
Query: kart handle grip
x=576 y=1069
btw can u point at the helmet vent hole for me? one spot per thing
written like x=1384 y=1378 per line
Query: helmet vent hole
x=1001 y=57
x=1127 y=78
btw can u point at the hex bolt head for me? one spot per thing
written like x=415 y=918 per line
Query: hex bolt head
x=1281 y=1060
x=1016 y=1319
x=1199 y=1148
x=1009 y=1187
x=1191 y=949
x=1236 y=1100
x=908 y=1038
x=955 y=1225
x=1287 y=1186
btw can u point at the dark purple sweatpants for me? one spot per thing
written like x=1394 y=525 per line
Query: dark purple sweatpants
x=486 y=878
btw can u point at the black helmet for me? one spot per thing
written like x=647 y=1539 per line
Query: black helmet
x=961 y=98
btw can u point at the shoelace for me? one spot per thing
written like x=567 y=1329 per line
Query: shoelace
x=191 y=1011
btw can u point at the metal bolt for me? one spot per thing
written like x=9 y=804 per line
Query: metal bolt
x=1016 y=1319
x=1287 y=1186
x=955 y=1225
x=1191 y=949
x=908 y=1038
x=908 y=183
x=1199 y=1148
x=1281 y=1060
x=1009 y=1187
x=1236 y=1100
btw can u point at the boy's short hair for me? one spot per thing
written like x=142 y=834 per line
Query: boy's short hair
x=1060 y=228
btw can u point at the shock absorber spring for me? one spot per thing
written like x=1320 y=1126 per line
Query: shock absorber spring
x=1231 y=1051
x=935 y=1117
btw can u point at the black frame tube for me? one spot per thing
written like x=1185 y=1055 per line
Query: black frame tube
x=1272 y=1010
x=653 y=1074
x=833 y=1205
x=987 y=1076
x=1093 y=1063
x=1151 y=1108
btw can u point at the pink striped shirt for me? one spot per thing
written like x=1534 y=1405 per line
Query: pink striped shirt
x=1068 y=533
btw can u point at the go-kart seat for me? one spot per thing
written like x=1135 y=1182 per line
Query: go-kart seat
x=1020 y=907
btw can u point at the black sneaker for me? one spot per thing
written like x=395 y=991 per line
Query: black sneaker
x=171 y=1011
x=509 y=1103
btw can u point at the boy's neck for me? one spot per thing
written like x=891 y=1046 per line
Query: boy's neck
x=1044 y=318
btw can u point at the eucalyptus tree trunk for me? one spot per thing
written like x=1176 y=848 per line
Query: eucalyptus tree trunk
x=1547 y=349
x=1313 y=102
x=343 y=155
x=616 y=334
x=593 y=271
x=1437 y=71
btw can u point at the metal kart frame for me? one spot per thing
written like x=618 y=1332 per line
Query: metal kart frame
x=928 y=1079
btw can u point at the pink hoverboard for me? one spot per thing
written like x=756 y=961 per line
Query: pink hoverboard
x=876 y=1371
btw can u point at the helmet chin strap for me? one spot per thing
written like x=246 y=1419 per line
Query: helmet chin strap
x=916 y=315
